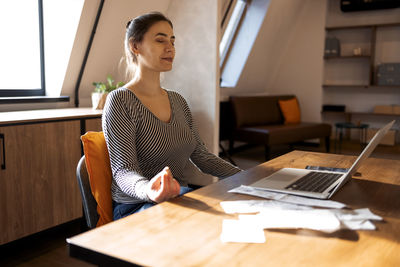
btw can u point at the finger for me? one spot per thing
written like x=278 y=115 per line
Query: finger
x=156 y=183
x=159 y=194
x=167 y=184
x=163 y=185
x=177 y=187
x=167 y=169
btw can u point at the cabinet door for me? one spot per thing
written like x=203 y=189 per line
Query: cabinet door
x=93 y=125
x=38 y=187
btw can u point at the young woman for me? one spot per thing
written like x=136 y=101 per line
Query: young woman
x=149 y=131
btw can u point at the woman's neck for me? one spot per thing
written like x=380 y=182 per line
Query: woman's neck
x=146 y=82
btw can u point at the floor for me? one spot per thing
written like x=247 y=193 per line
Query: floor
x=45 y=249
x=49 y=248
x=255 y=155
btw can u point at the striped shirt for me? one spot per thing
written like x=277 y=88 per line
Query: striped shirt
x=141 y=145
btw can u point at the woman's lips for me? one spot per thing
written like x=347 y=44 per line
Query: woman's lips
x=169 y=59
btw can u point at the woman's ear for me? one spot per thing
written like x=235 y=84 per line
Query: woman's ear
x=133 y=47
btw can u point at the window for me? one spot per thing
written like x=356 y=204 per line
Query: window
x=40 y=36
x=239 y=37
x=22 y=50
x=231 y=28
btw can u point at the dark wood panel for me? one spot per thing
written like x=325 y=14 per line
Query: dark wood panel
x=38 y=186
x=93 y=125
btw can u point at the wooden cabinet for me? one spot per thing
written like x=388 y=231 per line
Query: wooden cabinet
x=38 y=184
x=38 y=159
x=93 y=125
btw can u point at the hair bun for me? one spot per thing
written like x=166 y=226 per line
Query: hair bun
x=129 y=23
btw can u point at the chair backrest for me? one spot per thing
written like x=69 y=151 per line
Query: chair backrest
x=88 y=201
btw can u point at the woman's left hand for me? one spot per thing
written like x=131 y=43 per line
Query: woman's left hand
x=163 y=186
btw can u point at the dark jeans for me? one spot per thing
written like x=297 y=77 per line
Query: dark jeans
x=122 y=210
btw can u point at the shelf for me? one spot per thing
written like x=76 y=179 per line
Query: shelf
x=359 y=86
x=345 y=85
x=347 y=57
x=351 y=80
x=359 y=113
x=344 y=27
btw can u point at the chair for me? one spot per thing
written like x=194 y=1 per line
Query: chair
x=88 y=201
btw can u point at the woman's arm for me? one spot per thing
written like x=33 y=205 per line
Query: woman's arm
x=119 y=129
x=211 y=164
x=206 y=161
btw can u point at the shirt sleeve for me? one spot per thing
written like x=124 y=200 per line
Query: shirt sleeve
x=119 y=129
x=206 y=161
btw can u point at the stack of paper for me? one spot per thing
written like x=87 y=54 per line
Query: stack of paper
x=288 y=212
x=248 y=190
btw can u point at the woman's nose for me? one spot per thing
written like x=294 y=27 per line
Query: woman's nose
x=170 y=47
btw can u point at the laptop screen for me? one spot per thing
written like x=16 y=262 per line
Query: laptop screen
x=370 y=147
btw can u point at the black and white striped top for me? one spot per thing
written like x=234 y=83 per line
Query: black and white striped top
x=141 y=145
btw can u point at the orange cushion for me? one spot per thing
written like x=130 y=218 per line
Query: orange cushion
x=290 y=110
x=99 y=170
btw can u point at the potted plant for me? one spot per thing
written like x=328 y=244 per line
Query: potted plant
x=101 y=91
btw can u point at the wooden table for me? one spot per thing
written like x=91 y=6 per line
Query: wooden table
x=185 y=231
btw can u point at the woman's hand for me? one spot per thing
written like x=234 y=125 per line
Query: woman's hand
x=163 y=186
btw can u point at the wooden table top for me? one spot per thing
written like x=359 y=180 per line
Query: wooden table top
x=186 y=230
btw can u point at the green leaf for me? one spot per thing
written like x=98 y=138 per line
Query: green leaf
x=108 y=87
x=110 y=80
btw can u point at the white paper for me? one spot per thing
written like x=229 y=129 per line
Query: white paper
x=241 y=231
x=314 y=219
x=356 y=215
x=253 y=206
x=357 y=219
x=358 y=225
x=276 y=214
x=248 y=190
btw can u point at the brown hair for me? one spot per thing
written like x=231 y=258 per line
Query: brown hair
x=135 y=30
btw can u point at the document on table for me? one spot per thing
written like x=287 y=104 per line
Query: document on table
x=320 y=220
x=240 y=231
x=273 y=214
x=253 y=206
x=248 y=190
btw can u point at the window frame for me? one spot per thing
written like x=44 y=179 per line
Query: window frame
x=33 y=92
x=232 y=27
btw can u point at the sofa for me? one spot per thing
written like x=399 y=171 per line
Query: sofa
x=259 y=120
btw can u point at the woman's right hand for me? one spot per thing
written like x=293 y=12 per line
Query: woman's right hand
x=163 y=186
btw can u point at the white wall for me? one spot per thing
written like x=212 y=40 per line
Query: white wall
x=287 y=55
x=268 y=47
x=300 y=67
x=196 y=73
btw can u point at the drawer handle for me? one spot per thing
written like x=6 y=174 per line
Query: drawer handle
x=3 y=164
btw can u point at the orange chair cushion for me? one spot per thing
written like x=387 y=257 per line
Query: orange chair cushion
x=99 y=170
x=290 y=110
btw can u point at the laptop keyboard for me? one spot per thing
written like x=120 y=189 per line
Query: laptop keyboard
x=314 y=182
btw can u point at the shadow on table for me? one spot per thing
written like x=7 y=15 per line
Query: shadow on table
x=344 y=234
x=381 y=198
x=192 y=203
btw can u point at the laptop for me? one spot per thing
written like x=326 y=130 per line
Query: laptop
x=317 y=184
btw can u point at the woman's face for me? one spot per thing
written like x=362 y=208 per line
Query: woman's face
x=156 y=51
